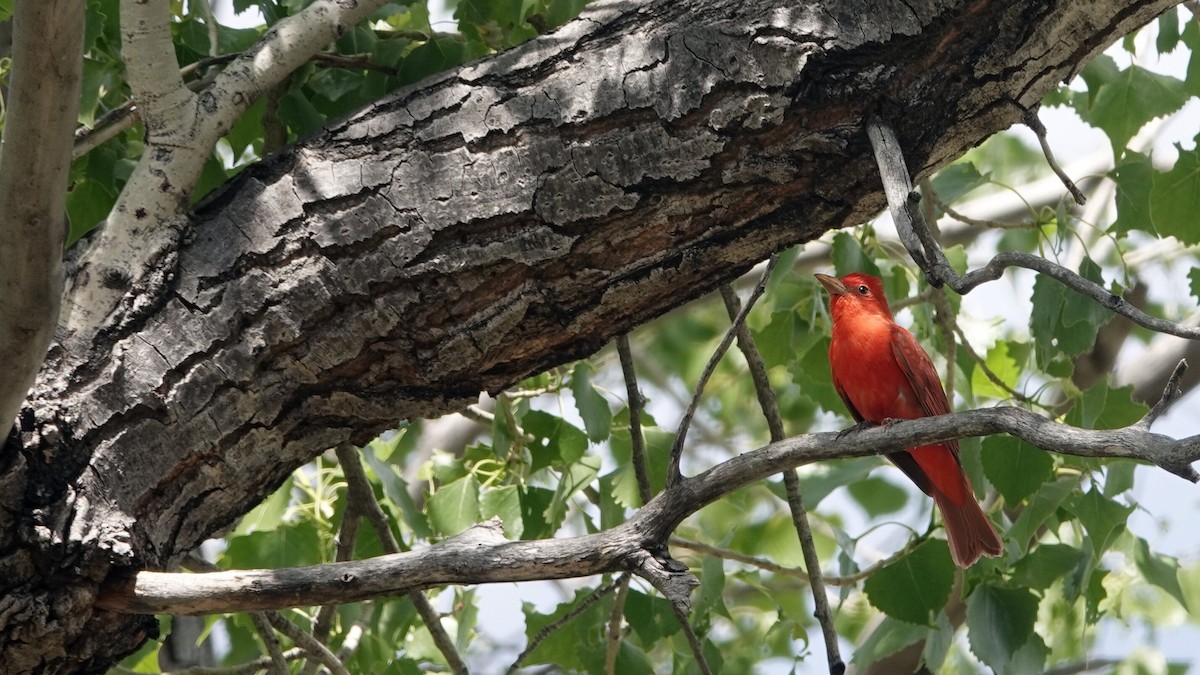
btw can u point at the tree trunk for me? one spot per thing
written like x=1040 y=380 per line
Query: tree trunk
x=461 y=234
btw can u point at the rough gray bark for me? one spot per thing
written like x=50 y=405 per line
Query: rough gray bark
x=479 y=227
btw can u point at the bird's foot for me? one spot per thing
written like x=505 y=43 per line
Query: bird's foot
x=887 y=421
x=862 y=424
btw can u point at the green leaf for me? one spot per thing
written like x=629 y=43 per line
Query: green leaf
x=1118 y=476
x=818 y=480
x=558 y=443
x=1102 y=518
x=956 y=180
x=1101 y=407
x=650 y=616
x=290 y=544
x=1002 y=360
x=811 y=373
x=503 y=502
x=913 y=587
x=1046 y=564
x=1063 y=321
x=1168 y=32
x=1125 y=103
x=1163 y=203
x=848 y=256
x=1000 y=622
x=1041 y=506
x=396 y=489
x=593 y=408
x=575 y=478
x=1175 y=198
x=938 y=643
x=1134 y=179
x=878 y=496
x=573 y=645
x=88 y=203
x=776 y=342
x=1160 y=570
x=889 y=637
x=1193 y=276
x=534 y=502
x=1016 y=468
x=455 y=506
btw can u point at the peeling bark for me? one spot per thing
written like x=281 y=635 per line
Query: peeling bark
x=459 y=235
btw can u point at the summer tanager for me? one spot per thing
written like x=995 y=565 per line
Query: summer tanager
x=882 y=373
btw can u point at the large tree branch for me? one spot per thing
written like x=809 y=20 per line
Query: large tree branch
x=43 y=104
x=482 y=555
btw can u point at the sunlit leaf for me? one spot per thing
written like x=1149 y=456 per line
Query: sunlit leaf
x=455 y=506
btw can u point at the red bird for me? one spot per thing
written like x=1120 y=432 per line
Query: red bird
x=882 y=373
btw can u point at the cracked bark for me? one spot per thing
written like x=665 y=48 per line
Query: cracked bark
x=483 y=225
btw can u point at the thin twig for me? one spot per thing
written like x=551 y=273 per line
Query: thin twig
x=549 y=628
x=346 y=538
x=360 y=492
x=770 y=409
x=981 y=363
x=1171 y=393
x=673 y=473
x=693 y=640
x=776 y=568
x=929 y=256
x=308 y=643
x=615 y=619
x=1031 y=120
x=636 y=440
x=928 y=193
x=262 y=626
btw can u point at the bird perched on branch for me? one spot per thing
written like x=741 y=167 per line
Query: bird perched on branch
x=883 y=374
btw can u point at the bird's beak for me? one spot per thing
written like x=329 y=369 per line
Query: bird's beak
x=834 y=286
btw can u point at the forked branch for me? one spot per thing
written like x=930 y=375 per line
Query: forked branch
x=925 y=251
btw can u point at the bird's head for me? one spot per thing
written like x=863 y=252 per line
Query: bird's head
x=855 y=293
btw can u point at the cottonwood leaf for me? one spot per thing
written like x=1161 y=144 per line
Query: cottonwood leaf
x=1102 y=518
x=1000 y=622
x=1160 y=570
x=913 y=587
x=1016 y=468
x=455 y=506
x=592 y=407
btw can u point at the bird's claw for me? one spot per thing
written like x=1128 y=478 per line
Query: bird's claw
x=890 y=420
x=863 y=424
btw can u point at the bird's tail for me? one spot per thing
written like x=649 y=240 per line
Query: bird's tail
x=968 y=530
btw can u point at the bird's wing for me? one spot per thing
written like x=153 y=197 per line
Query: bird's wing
x=922 y=377
x=846 y=399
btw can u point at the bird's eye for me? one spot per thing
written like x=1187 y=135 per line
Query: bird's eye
x=863 y=290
